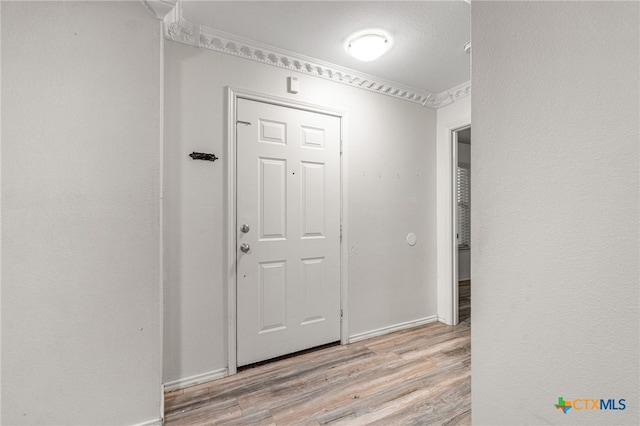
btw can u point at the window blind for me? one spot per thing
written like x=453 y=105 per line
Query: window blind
x=464 y=206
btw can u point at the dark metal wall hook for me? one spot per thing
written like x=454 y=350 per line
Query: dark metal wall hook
x=203 y=156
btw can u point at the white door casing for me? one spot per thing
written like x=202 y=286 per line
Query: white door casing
x=288 y=193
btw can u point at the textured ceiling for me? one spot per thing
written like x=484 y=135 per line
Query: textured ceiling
x=428 y=36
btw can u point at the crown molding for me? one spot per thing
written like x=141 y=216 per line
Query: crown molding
x=259 y=52
x=177 y=29
x=160 y=8
x=460 y=91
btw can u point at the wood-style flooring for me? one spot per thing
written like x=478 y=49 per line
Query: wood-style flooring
x=420 y=376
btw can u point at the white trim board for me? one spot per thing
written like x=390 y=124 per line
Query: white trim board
x=344 y=231
x=195 y=380
x=161 y=217
x=177 y=29
x=233 y=94
x=392 y=328
x=156 y=422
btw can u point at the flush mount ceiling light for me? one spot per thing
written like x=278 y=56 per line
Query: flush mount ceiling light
x=367 y=45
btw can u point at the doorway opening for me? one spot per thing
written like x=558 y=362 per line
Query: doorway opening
x=461 y=220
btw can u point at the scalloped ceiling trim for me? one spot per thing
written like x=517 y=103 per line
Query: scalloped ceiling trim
x=193 y=34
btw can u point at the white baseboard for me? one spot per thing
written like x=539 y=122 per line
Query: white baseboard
x=196 y=380
x=390 y=329
x=157 y=422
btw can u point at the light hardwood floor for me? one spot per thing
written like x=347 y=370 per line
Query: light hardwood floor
x=420 y=376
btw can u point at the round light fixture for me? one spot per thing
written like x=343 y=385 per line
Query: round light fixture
x=367 y=45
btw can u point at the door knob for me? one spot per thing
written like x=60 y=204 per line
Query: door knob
x=245 y=228
x=245 y=248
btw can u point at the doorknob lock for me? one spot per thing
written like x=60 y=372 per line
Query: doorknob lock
x=245 y=228
x=245 y=248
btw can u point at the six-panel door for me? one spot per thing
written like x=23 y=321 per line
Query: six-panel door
x=288 y=195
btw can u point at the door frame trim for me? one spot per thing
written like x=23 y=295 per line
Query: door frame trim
x=454 y=222
x=233 y=94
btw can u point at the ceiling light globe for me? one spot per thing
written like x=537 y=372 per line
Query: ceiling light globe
x=368 y=46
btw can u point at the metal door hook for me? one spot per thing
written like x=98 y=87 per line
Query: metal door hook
x=203 y=156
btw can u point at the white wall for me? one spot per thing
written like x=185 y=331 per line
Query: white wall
x=80 y=213
x=555 y=210
x=391 y=146
x=451 y=117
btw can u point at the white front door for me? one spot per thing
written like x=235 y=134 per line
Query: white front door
x=288 y=230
